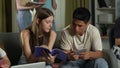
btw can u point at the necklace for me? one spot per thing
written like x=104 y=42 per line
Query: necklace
x=82 y=38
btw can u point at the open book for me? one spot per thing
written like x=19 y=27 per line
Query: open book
x=40 y=51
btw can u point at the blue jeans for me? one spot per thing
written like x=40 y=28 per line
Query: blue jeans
x=24 y=19
x=98 y=63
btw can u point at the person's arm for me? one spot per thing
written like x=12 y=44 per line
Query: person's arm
x=25 y=37
x=5 y=62
x=54 y=4
x=90 y=55
x=52 y=39
x=21 y=7
x=96 y=45
x=66 y=44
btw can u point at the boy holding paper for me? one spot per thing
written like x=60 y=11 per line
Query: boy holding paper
x=82 y=41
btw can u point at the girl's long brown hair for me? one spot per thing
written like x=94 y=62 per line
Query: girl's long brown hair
x=36 y=28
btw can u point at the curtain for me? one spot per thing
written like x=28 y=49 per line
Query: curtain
x=2 y=16
x=71 y=5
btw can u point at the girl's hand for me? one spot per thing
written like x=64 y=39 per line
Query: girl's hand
x=52 y=58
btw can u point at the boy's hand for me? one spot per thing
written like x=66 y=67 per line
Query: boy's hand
x=84 y=55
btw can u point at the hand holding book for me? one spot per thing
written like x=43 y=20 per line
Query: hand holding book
x=34 y=3
x=39 y=51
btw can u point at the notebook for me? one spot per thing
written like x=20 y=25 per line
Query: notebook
x=31 y=65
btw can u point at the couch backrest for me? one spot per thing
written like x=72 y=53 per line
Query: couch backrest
x=111 y=37
x=58 y=38
x=12 y=46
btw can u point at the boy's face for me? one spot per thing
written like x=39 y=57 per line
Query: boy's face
x=79 y=26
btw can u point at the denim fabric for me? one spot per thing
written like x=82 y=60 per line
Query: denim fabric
x=98 y=63
x=22 y=59
x=24 y=19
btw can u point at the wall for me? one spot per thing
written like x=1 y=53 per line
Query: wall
x=59 y=15
x=117 y=8
x=14 y=12
x=2 y=16
x=118 y=15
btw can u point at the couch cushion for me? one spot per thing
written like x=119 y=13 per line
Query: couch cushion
x=12 y=46
x=58 y=38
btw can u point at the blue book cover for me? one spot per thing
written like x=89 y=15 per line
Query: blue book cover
x=41 y=51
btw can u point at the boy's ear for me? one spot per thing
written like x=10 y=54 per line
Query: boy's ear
x=88 y=23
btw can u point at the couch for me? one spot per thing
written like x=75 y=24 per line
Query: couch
x=13 y=48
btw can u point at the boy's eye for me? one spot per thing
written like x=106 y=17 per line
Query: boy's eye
x=77 y=25
x=48 y=21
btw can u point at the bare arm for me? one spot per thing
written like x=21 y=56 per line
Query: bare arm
x=4 y=59
x=51 y=39
x=25 y=37
x=21 y=7
x=54 y=4
x=90 y=55
x=6 y=62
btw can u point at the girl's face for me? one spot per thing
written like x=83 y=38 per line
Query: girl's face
x=47 y=23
